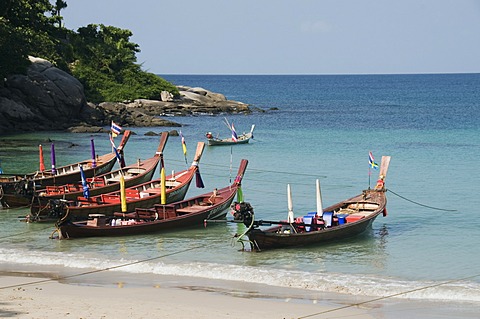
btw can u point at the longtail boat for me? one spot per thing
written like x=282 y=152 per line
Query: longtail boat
x=345 y=219
x=142 y=171
x=186 y=213
x=18 y=189
x=138 y=196
x=235 y=139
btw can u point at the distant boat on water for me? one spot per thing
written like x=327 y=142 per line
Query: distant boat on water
x=234 y=139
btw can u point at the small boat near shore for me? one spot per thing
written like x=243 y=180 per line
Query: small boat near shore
x=186 y=213
x=17 y=190
x=342 y=220
x=235 y=139
x=138 y=196
x=132 y=175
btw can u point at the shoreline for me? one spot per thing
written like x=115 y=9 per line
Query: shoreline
x=123 y=296
x=116 y=294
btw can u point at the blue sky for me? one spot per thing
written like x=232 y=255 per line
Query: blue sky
x=294 y=37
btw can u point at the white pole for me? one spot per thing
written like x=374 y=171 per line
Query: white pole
x=319 y=200
x=291 y=217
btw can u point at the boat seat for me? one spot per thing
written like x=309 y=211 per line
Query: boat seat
x=165 y=211
x=132 y=193
x=72 y=188
x=110 y=199
x=53 y=190
x=96 y=181
x=327 y=219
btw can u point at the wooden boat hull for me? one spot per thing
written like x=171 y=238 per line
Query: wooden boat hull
x=39 y=202
x=17 y=195
x=187 y=213
x=345 y=219
x=242 y=139
x=108 y=209
x=19 y=190
x=274 y=237
x=49 y=206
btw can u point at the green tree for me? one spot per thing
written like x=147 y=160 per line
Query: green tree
x=106 y=64
x=100 y=56
x=26 y=29
x=57 y=7
x=23 y=31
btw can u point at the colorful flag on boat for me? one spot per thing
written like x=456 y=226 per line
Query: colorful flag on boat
x=198 y=179
x=123 y=195
x=116 y=129
x=86 y=190
x=163 y=187
x=94 y=159
x=117 y=155
x=184 y=145
x=371 y=161
x=234 y=134
x=52 y=158
x=111 y=141
x=42 y=162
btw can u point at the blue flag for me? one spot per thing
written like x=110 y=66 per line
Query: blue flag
x=86 y=190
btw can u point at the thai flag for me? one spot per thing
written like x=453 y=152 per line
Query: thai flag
x=234 y=134
x=116 y=129
x=371 y=161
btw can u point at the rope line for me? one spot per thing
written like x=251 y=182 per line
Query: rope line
x=25 y=232
x=100 y=270
x=251 y=169
x=389 y=296
x=419 y=204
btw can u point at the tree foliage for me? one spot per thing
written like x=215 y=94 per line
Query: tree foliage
x=101 y=57
x=24 y=30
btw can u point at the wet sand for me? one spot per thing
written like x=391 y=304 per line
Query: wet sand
x=124 y=295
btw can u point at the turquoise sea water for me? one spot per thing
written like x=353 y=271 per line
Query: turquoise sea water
x=324 y=128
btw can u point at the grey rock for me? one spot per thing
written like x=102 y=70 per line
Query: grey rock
x=47 y=98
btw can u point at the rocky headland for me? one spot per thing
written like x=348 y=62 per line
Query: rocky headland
x=47 y=98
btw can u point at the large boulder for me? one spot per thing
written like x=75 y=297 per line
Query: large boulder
x=45 y=98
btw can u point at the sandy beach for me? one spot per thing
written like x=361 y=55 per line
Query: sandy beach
x=35 y=297
x=121 y=295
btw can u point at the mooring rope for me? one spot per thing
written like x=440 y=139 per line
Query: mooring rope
x=100 y=270
x=389 y=296
x=411 y=201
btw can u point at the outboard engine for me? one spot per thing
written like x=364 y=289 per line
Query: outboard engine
x=242 y=212
x=57 y=208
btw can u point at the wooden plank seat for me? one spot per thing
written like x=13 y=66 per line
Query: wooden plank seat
x=363 y=206
x=153 y=191
x=91 y=200
x=96 y=181
x=72 y=188
x=111 y=199
x=133 y=215
x=191 y=209
x=165 y=211
x=135 y=171
x=53 y=190
x=132 y=193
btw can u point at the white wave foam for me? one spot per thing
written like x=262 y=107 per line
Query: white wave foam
x=355 y=284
